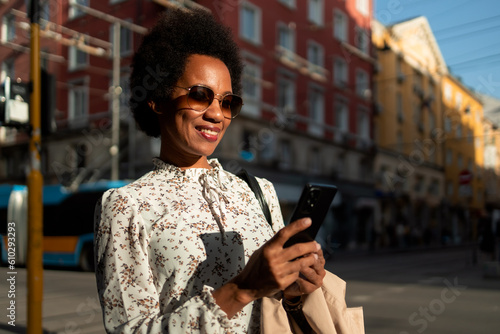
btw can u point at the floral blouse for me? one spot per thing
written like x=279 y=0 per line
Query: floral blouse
x=167 y=240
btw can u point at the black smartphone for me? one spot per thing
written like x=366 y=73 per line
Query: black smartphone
x=314 y=203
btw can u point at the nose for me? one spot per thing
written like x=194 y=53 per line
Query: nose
x=214 y=111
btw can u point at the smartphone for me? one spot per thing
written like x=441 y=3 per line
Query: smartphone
x=314 y=203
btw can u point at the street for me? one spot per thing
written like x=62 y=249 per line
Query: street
x=438 y=291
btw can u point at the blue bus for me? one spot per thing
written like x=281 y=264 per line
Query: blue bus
x=68 y=223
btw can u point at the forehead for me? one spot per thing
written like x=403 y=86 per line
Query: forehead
x=206 y=70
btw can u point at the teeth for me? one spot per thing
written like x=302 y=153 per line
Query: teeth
x=210 y=132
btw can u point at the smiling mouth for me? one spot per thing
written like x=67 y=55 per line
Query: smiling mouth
x=209 y=132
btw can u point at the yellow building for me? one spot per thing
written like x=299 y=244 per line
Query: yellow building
x=464 y=158
x=464 y=145
x=409 y=132
x=491 y=172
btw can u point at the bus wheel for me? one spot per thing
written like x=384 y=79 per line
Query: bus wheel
x=87 y=258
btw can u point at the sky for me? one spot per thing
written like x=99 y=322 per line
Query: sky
x=467 y=32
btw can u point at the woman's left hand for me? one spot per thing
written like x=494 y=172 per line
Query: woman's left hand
x=310 y=279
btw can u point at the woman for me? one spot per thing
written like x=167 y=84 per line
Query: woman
x=186 y=248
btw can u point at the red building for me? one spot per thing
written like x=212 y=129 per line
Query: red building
x=307 y=92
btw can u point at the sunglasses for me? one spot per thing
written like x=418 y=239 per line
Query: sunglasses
x=200 y=97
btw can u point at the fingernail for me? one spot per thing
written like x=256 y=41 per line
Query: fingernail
x=307 y=221
x=318 y=246
x=315 y=256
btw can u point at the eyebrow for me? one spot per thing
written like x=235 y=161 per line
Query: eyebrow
x=204 y=85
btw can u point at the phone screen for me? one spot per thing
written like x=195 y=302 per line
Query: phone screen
x=314 y=203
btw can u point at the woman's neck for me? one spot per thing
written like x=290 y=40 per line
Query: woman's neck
x=186 y=162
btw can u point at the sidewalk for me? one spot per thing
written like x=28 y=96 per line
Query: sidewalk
x=70 y=303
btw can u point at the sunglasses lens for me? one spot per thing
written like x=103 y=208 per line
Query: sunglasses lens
x=231 y=105
x=200 y=98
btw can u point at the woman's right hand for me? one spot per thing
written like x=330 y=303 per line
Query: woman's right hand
x=270 y=269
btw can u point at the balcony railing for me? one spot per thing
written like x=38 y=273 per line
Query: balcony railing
x=293 y=60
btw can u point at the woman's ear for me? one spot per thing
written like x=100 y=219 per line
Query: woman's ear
x=152 y=105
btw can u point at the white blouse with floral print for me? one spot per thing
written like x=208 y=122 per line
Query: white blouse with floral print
x=167 y=240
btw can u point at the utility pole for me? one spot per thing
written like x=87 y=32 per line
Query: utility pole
x=115 y=90
x=35 y=183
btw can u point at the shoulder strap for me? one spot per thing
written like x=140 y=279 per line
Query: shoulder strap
x=254 y=185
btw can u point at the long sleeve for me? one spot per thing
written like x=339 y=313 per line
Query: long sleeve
x=127 y=286
x=166 y=241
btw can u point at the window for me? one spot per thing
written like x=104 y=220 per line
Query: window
x=315 y=57
x=447 y=92
x=77 y=58
x=316 y=112
x=266 y=146
x=315 y=12
x=8 y=28
x=286 y=95
x=285 y=154
x=78 y=103
x=7 y=69
x=126 y=39
x=315 y=161
x=458 y=132
x=250 y=23
x=458 y=101
x=460 y=161
x=286 y=37
x=449 y=157
x=342 y=116
x=252 y=89
x=363 y=123
x=44 y=11
x=399 y=68
x=288 y=3
x=362 y=84
x=362 y=40
x=340 y=25
x=399 y=107
x=74 y=12
x=340 y=73
x=363 y=6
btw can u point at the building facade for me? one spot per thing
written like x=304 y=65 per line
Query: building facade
x=491 y=107
x=409 y=133
x=464 y=158
x=77 y=51
x=308 y=103
x=308 y=110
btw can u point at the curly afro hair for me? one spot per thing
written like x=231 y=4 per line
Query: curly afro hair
x=161 y=59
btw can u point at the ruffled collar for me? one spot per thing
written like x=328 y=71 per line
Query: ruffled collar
x=214 y=185
x=174 y=171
